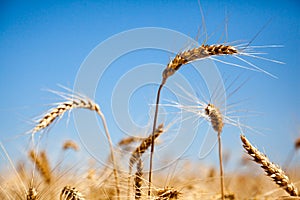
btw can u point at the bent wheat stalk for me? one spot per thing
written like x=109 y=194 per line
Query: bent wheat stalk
x=78 y=101
x=185 y=57
x=272 y=170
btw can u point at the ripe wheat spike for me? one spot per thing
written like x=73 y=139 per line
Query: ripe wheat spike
x=145 y=144
x=69 y=193
x=272 y=170
x=138 y=152
x=194 y=54
x=185 y=57
x=215 y=117
x=61 y=109
x=138 y=179
x=217 y=123
x=42 y=164
x=167 y=193
x=78 y=101
x=31 y=194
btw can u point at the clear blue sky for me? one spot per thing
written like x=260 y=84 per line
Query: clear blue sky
x=43 y=44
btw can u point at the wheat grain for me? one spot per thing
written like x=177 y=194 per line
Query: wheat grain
x=69 y=193
x=42 y=164
x=271 y=169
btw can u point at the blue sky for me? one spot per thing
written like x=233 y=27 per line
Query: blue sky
x=43 y=44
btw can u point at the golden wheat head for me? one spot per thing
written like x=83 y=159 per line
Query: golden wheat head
x=272 y=170
x=31 y=194
x=42 y=164
x=215 y=117
x=69 y=193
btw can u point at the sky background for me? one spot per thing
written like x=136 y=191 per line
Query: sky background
x=43 y=44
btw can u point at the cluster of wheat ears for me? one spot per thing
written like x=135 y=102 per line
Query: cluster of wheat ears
x=121 y=185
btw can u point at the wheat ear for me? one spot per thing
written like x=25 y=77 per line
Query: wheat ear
x=180 y=59
x=42 y=164
x=31 y=194
x=68 y=193
x=138 y=179
x=167 y=193
x=140 y=150
x=216 y=119
x=78 y=101
x=272 y=170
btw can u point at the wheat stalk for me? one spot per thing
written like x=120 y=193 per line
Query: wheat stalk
x=180 y=59
x=78 y=101
x=272 y=170
x=140 y=150
x=68 y=193
x=217 y=123
x=42 y=164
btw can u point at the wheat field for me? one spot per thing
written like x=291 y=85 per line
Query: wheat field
x=142 y=165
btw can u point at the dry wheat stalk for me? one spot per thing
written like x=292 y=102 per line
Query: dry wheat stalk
x=42 y=164
x=167 y=193
x=217 y=123
x=69 y=144
x=180 y=59
x=272 y=170
x=31 y=194
x=69 y=193
x=138 y=152
x=78 y=101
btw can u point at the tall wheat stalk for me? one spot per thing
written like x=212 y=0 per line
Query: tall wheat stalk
x=78 y=101
x=185 y=57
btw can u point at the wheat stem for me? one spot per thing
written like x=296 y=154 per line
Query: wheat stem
x=153 y=134
x=112 y=151
x=221 y=166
